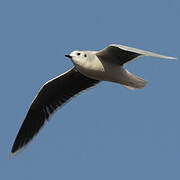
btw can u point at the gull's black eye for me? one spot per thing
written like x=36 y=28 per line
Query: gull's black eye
x=78 y=54
x=85 y=55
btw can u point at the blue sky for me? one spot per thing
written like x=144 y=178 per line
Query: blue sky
x=109 y=132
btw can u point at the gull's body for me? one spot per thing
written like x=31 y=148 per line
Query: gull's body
x=106 y=71
x=90 y=67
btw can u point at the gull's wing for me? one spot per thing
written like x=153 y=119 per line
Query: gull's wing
x=120 y=54
x=51 y=96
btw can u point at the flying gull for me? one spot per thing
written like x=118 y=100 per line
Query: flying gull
x=90 y=67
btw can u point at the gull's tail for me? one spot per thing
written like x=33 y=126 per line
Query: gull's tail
x=131 y=81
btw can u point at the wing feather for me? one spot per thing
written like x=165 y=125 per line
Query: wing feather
x=120 y=54
x=52 y=95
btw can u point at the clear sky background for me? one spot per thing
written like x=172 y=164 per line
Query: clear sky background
x=108 y=132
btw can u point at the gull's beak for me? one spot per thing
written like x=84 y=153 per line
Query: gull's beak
x=68 y=56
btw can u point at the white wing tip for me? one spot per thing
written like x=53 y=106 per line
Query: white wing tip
x=11 y=155
x=172 y=58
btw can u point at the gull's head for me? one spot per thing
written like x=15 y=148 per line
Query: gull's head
x=79 y=57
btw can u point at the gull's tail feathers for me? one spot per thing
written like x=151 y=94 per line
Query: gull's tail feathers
x=132 y=81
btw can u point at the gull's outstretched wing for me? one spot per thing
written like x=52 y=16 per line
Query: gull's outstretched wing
x=51 y=96
x=120 y=54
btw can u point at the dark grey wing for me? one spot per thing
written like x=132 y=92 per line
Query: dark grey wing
x=116 y=55
x=120 y=54
x=51 y=96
